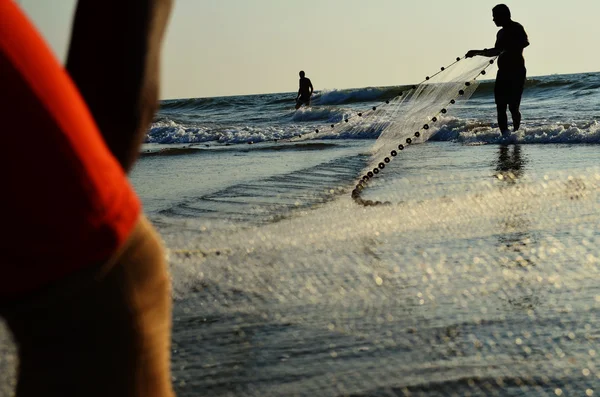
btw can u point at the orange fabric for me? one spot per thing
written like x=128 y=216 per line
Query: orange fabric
x=66 y=201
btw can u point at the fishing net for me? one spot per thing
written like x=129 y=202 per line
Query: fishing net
x=417 y=116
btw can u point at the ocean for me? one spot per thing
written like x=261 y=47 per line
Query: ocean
x=473 y=270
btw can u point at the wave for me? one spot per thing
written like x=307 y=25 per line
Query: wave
x=188 y=104
x=356 y=95
x=193 y=149
x=451 y=129
x=280 y=100
x=316 y=113
x=577 y=82
x=540 y=85
x=270 y=117
x=177 y=151
x=588 y=81
x=469 y=383
x=474 y=132
x=167 y=131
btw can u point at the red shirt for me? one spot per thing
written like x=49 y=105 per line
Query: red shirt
x=65 y=201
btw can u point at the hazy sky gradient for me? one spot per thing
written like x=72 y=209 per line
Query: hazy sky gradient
x=234 y=47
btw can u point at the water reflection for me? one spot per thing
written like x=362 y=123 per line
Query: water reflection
x=514 y=236
x=516 y=240
x=510 y=163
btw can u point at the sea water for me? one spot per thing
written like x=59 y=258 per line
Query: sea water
x=478 y=272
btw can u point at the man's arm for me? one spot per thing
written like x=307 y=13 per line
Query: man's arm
x=524 y=38
x=490 y=52
x=114 y=60
x=311 y=87
x=487 y=52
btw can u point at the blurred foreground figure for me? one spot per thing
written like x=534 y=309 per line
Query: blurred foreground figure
x=84 y=286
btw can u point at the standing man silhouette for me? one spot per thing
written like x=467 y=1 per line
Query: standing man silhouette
x=305 y=91
x=510 y=80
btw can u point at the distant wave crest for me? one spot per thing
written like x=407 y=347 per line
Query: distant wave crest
x=451 y=129
x=367 y=94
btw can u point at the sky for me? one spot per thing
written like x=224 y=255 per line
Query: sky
x=236 y=47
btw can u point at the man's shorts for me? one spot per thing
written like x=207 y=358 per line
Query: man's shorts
x=303 y=100
x=66 y=201
x=509 y=87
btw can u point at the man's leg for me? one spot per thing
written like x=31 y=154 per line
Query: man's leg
x=102 y=332
x=515 y=99
x=516 y=114
x=501 y=93
x=502 y=117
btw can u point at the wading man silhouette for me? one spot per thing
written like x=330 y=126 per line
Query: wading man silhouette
x=510 y=80
x=304 y=92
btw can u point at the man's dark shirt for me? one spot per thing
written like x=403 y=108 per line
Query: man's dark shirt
x=511 y=39
x=305 y=87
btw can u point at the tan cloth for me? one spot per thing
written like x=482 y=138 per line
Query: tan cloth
x=102 y=332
